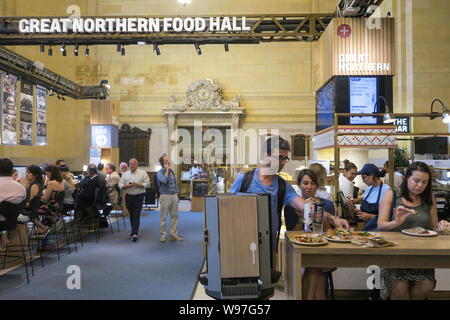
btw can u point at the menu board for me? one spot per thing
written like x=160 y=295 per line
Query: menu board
x=363 y=96
x=41 y=115
x=9 y=109
x=26 y=113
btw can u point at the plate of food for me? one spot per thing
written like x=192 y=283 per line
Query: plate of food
x=338 y=235
x=419 y=232
x=309 y=239
x=366 y=234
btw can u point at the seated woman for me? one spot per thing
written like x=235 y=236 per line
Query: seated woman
x=34 y=187
x=314 y=279
x=69 y=188
x=372 y=195
x=415 y=193
x=55 y=184
x=321 y=174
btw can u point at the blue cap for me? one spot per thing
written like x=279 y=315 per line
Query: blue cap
x=370 y=168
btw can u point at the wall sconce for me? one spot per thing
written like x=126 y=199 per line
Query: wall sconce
x=445 y=114
x=387 y=117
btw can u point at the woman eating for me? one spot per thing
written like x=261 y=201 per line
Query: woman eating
x=416 y=207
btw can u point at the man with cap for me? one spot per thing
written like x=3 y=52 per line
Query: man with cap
x=371 y=175
x=193 y=172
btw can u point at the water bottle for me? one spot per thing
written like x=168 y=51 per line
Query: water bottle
x=308 y=215
x=318 y=219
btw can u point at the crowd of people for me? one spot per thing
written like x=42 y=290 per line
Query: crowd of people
x=382 y=207
x=49 y=192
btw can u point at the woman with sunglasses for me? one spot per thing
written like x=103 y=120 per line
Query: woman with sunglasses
x=416 y=197
x=368 y=212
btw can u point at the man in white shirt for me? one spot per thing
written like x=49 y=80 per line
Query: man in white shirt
x=10 y=191
x=134 y=182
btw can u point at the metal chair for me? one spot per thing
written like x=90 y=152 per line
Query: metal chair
x=10 y=212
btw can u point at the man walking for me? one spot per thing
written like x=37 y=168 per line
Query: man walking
x=168 y=190
x=134 y=182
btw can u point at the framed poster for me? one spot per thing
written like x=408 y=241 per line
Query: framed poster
x=41 y=115
x=9 y=109
x=26 y=113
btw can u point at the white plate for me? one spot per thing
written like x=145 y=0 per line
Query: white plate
x=430 y=234
x=372 y=234
x=336 y=240
x=323 y=243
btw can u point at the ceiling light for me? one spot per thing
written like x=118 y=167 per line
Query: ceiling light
x=226 y=47
x=63 y=48
x=50 y=51
x=42 y=47
x=197 y=48
x=86 y=52
x=388 y=117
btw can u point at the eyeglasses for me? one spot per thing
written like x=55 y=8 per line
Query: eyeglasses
x=280 y=157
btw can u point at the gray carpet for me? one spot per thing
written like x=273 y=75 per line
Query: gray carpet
x=117 y=268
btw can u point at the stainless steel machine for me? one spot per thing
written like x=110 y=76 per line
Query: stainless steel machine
x=238 y=247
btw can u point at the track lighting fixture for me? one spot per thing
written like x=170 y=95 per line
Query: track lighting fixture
x=123 y=50
x=86 y=52
x=226 y=47
x=42 y=48
x=197 y=48
x=50 y=51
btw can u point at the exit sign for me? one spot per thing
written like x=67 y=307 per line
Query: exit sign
x=402 y=125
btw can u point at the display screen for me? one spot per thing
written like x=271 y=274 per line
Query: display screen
x=363 y=96
x=185 y=176
x=324 y=107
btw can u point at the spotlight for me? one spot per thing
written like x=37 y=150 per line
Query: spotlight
x=118 y=47
x=197 y=48
x=64 y=53
x=42 y=48
x=50 y=51
x=226 y=47
x=62 y=97
x=51 y=93
x=86 y=52
x=123 y=50
x=75 y=50
x=63 y=48
x=156 y=49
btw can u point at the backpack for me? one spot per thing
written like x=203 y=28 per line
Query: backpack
x=247 y=180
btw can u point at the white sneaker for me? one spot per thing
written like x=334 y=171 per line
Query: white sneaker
x=162 y=239
x=23 y=218
x=175 y=238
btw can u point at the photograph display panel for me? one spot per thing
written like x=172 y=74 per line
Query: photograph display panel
x=26 y=113
x=41 y=115
x=9 y=109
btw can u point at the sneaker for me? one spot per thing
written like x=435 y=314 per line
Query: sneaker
x=175 y=238
x=131 y=236
x=162 y=239
x=135 y=237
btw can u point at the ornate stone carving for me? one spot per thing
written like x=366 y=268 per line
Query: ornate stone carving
x=204 y=94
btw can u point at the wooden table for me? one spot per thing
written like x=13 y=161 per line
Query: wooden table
x=408 y=252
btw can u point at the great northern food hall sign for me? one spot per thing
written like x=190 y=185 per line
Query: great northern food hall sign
x=132 y=24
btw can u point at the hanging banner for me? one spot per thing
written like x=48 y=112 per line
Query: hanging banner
x=26 y=113
x=41 y=115
x=9 y=109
